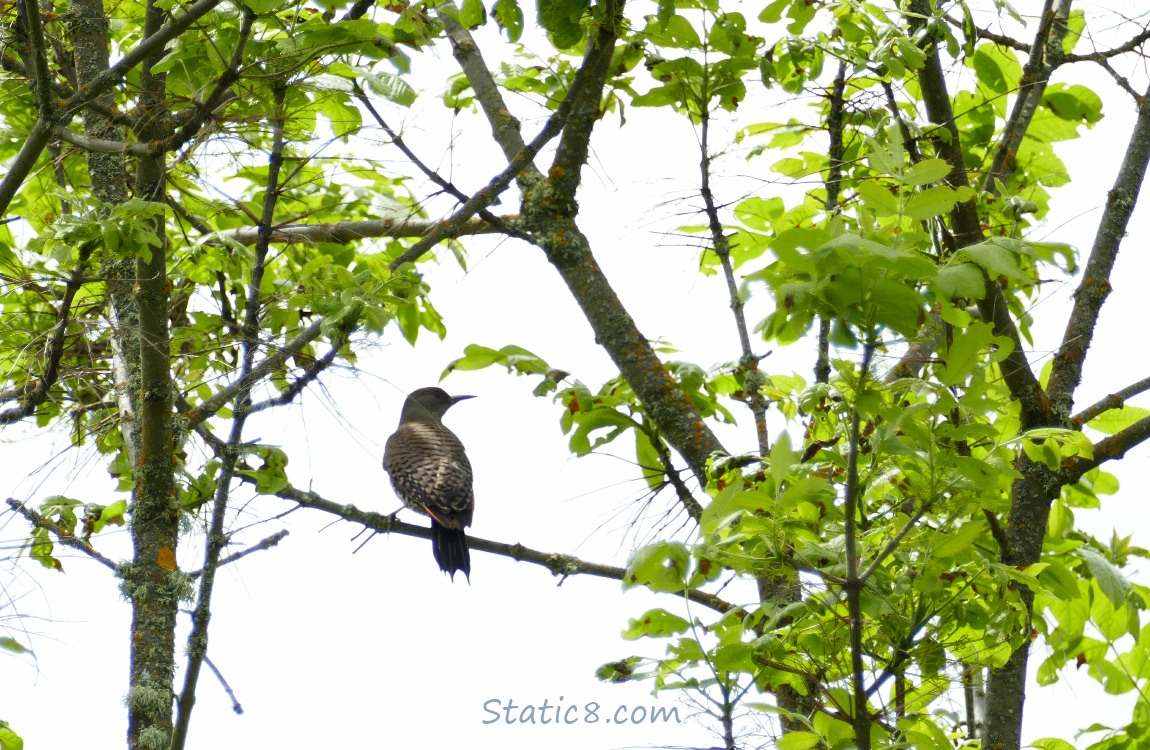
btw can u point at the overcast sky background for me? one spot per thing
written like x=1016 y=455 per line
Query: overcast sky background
x=377 y=648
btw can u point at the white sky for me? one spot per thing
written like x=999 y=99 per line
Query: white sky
x=331 y=649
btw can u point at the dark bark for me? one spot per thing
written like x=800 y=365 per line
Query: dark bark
x=153 y=582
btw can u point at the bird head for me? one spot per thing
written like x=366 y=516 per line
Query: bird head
x=429 y=403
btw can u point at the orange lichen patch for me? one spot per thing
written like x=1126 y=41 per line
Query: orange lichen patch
x=166 y=558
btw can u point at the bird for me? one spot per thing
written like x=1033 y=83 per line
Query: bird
x=431 y=475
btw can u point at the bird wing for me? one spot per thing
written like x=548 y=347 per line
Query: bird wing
x=430 y=472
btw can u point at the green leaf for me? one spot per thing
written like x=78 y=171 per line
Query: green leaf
x=650 y=463
x=112 y=514
x=932 y=202
x=958 y=540
x=962 y=280
x=963 y=354
x=925 y=172
x=472 y=14
x=1052 y=743
x=11 y=644
x=9 y=740
x=562 y=19
x=998 y=256
x=798 y=741
x=509 y=16
x=660 y=567
x=1108 y=577
x=260 y=7
x=389 y=86
x=656 y=623
x=878 y=198
x=1116 y=420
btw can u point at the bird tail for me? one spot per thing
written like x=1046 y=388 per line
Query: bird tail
x=450 y=548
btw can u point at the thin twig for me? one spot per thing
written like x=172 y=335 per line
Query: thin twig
x=498 y=223
x=227 y=688
x=753 y=379
x=261 y=545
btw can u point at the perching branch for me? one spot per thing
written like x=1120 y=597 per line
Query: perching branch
x=559 y=564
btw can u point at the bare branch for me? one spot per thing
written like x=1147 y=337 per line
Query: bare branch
x=1115 y=400
x=1099 y=56
x=753 y=379
x=559 y=564
x=236 y=707
x=216 y=537
x=1066 y=372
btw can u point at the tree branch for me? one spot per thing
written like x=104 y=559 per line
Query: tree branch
x=261 y=369
x=496 y=222
x=1020 y=379
x=505 y=128
x=1066 y=372
x=559 y=564
x=41 y=133
x=1044 y=56
x=753 y=379
x=54 y=351
x=65 y=537
x=194 y=117
x=1110 y=448
x=1115 y=400
x=216 y=537
x=263 y=544
x=343 y=232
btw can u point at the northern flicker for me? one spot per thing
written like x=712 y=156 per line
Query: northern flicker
x=431 y=474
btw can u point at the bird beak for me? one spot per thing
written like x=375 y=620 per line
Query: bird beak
x=456 y=399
